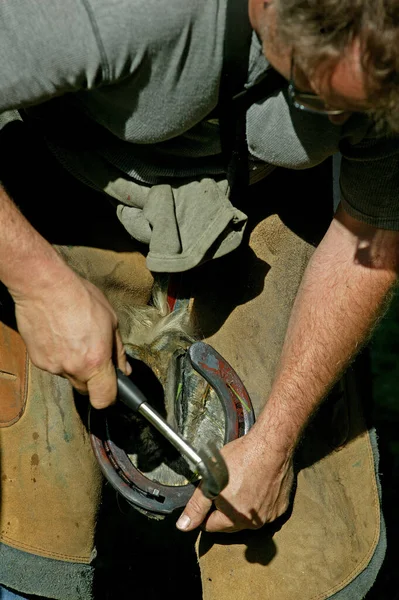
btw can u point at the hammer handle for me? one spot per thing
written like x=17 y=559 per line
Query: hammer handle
x=129 y=393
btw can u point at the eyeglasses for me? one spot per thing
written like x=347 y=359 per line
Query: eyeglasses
x=306 y=101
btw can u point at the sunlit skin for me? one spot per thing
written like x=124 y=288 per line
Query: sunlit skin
x=341 y=85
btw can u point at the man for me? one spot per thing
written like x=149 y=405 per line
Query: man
x=144 y=81
x=343 y=87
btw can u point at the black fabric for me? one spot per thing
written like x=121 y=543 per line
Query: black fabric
x=237 y=43
x=234 y=99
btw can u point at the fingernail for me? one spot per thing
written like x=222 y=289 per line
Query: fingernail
x=183 y=522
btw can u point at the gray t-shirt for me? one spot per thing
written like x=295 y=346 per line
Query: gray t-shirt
x=145 y=75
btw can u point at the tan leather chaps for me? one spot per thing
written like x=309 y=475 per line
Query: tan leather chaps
x=50 y=482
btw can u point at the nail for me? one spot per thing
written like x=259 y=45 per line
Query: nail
x=183 y=522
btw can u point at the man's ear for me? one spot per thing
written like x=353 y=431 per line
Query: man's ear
x=256 y=10
x=259 y=4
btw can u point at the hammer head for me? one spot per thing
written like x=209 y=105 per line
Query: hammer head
x=213 y=471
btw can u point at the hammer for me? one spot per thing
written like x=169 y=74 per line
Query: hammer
x=208 y=463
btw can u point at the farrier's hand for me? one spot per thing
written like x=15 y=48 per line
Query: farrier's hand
x=260 y=482
x=70 y=329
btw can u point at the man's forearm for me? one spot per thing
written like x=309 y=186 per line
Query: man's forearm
x=28 y=261
x=67 y=324
x=343 y=292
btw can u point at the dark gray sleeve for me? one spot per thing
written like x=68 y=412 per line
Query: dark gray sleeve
x=370 y=181
x=47 y=48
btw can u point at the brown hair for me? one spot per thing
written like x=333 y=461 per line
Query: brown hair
x=323 y=29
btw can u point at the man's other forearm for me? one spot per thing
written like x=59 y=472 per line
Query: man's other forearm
x=67 y=324
x=343 y=292
x=27 y=260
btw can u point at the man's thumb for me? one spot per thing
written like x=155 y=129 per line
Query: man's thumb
x=195 y=512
